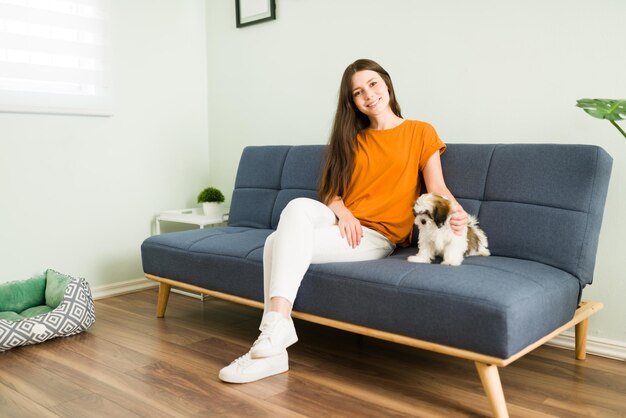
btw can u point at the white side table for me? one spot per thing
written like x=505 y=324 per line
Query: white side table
x=193 y=216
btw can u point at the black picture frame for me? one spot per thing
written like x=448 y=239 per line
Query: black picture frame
x=249 y=13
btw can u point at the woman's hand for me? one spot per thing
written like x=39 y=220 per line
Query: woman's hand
x=458 y=221
x=349 y=226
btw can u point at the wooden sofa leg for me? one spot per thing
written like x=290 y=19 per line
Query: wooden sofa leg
x=490 y=379
x=580 y=332
x=164 y=295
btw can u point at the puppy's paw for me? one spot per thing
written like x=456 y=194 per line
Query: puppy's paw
x=418 y=259
x=454 y=262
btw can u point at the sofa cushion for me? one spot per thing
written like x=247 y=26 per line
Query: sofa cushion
x=268 y=178
x=300 y=177
x=212 y=258
x=256 y=186
x=491 y=305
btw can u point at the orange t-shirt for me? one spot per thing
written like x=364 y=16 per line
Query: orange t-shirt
x=385 y=182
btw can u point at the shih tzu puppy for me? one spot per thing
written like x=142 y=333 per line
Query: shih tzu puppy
x=436 y=238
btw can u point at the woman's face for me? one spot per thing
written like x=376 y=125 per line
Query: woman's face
x=370 y=93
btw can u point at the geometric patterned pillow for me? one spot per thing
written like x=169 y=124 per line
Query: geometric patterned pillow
x=75 y=314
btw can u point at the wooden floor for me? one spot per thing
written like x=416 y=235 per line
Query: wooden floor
x=131 y=364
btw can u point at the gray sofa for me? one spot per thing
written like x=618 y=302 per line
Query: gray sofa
x=541 y=206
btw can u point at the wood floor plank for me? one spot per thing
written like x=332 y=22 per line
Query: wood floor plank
x=117 y=387
x=199 y=387
x=14 y=404
x=34 y=382
x=94 y=406
x=155 y=327
x=115 y=356
x=154 y=347
x=395 y=402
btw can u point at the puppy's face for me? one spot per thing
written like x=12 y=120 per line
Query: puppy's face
x=432 y=208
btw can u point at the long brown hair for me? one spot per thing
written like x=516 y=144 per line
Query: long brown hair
x=349 y=121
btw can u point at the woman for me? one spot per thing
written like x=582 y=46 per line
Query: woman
x=369 y=183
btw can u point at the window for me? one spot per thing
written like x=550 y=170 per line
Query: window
x=54 y=56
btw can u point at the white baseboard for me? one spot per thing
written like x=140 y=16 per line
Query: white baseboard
x=120 y=288
x=595 y=345
x=190 y=294
x=134 y=285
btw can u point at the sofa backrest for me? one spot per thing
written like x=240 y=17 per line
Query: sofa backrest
x=271 y=176
x=540 y=202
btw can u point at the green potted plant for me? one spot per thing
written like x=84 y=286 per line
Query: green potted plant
x=211 y=199
x=609 y=109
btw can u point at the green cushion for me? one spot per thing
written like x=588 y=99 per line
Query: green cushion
x=35 y=296
x=36 y=310
x=55 y=288
x=20 y=295
x=10 y=316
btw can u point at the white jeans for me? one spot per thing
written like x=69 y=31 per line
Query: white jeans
x=307 y=233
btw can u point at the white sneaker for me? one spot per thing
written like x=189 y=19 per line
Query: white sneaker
x=246 y=369
x=277 y=333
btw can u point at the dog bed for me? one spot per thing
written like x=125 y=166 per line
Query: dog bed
x=43 y=307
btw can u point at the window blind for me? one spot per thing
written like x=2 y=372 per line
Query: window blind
x=54 y=56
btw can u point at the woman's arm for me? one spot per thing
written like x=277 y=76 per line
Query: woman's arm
x=433 y=178
x=349 y=226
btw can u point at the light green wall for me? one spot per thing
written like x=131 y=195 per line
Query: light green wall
x=480 y=71
x=79 y=193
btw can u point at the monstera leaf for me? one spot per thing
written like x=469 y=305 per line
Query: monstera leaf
x=608 y=109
